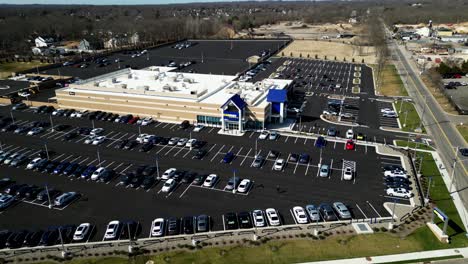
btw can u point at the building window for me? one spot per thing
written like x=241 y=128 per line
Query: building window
x=209 y=120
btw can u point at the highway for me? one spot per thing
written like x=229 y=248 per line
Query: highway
x=437 y=123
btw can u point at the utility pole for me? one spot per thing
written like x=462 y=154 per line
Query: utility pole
x=157 y=167
x=51 y=123
x=48 y=197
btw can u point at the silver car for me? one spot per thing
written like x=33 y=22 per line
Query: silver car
x=324 y=170
x=342 y=210
x=313 y=212
x=232 y=183
x=257 y=163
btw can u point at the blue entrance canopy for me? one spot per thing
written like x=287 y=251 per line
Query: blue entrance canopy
x=277 y=96
x=237 y=100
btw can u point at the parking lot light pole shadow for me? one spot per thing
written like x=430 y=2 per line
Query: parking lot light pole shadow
x=48 y=197
x=51 y=123
x=47 y=152
x=12 y=117
x=426 y=198
x=99 y=157
x=234 y=180
x=393 y=214
x=157 y=168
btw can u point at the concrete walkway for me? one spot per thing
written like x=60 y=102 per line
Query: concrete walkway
x=401 y=257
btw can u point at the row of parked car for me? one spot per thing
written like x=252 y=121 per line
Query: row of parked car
x=252 y=72
x=397 y=182
x=14 y=192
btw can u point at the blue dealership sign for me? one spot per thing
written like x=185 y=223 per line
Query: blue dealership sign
x=231 y=116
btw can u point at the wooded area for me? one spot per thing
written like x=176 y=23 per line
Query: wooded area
x=156 y=23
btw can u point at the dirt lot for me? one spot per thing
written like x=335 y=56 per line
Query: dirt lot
x=329 y=49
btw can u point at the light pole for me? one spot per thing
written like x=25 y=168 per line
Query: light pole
x=12 y=117
x=51 y=122
x=99 y=157
x=393 y=213
x=48 y=197
x=256 y=142
x=406 y=116
x=426 y=198
x=46 y=150
x=92 y=123
x=157 y=168
x=234 y=180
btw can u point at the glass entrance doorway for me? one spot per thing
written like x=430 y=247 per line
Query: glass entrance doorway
x=232 y=126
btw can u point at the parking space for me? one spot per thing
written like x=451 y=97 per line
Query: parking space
x=296 y=181
x=204 y=56
x=386 y=120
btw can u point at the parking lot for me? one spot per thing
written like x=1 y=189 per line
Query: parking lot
x=316 y=81
x=206 y=56
x=297 y=183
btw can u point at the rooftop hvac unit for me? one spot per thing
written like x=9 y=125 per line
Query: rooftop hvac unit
x=184 y=86
x=166 y=87
x=146 y=88
x=130 y=75
x=156 y=77
x=114 y=80
x=193 y=92
x=123 y=86
x=96 y=84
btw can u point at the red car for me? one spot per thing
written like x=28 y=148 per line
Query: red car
x=350 y=145
x=133 y=120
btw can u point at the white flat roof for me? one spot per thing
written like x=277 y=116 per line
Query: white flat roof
x=166 y=84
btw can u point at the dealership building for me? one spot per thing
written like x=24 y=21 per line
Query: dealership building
x=171 y=96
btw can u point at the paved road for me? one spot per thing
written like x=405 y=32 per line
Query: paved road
x=436 y=121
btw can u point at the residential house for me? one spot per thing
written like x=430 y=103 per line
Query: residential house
x=43 y=42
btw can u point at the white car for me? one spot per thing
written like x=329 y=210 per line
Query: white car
x=81 y=232
x=148 y=138
x=58 y=112
x=279 y=164
x=386 y=110
x=210 y=180
x=273 y=135
x=399 y=192
x=99 y=140
x=300 y=215
x=182 y=142
x=272 y=216
x=244 y=186
x=395 y=173
x=35 y=131
x=81 y=114
x=72 y=115
x=90 y=139
x=33 y=163
x=112 y=229
x=349 y=134
x=169 y=173
x=348 y=174
x=173 y=141
x=97 y=173
x=190 y=142
x=168 y=185
x=258 y=218
x=96 y=131
x=328 y=112
x=141 y=138
x=198 y=128
x=390 y=114
x=263 y=135
x=157 y=227
x=145 y=121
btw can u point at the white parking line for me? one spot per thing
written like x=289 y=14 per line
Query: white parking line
x=186 y=189
x=373 y=208
x=295 y=168
x=181 y=148
x=246 y=156
x=126 y=168
x=307 y=168
x=75 y=159
x=217 y=153
x=365 y=216
x=118 y=166
x=108 y=165
x=58 y=156
x=66 y=133
x=83 y=160
x=187 y=153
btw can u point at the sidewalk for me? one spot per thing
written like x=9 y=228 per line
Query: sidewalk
x=401 y=257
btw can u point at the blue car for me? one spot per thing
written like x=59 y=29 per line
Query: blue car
x=70 y=168
x=320 y=142
x=62 y=166
x=88 y=172
x=228 y=157
x=304 y=158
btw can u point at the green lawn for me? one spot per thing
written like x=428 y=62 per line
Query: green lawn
x=392 y=84
x=412 y=118
x=7 y=68
x=463 y=129
x=441 y=197
x=404 y=143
